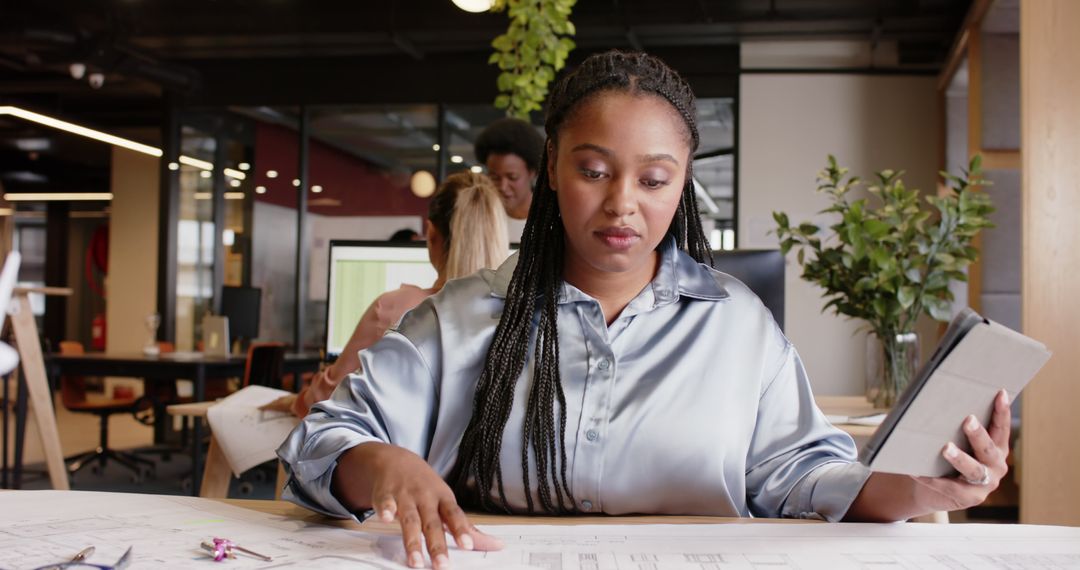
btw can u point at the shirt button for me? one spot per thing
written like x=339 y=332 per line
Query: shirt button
x=586 y=505
x=592 y=434
x=603 y=364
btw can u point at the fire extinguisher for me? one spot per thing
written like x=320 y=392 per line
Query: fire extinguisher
x=97 y=261
x=97 y=332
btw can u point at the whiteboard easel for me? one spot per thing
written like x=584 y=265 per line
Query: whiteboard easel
x=36 y=381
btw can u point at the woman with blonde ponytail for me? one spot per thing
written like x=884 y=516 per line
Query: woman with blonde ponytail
x=466 y=232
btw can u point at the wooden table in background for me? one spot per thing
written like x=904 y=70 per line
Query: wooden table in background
x=169 y=368
x=850 y=406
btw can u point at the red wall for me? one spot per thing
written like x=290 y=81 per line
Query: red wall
x=362 y=188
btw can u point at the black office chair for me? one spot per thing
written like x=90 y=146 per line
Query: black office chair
x=73 y=396
x=265 y=364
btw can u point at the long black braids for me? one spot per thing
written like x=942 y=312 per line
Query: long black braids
x=537 y=284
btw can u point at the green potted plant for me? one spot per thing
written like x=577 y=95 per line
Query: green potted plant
x=889 y=257
x=532 y=50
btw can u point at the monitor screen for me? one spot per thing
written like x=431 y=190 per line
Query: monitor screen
x=762 y=270
x=241 y=306
x=360 y=271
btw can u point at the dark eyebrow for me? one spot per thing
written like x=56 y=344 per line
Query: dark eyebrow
x=641 y=159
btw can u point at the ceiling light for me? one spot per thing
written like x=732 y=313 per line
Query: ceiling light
x=57 y=196
x=200 y=164
x=456 y=159
x=422 y=183
x=111 y=139
x=77 y=70
x=79 y=130
x=174 y=166
x=35 y=144
x=234 y=183
x=474 y=6
x=228 y=195
x=205 y=174
x=244 y=166
x=260 y=189
x=316 y=188
x=271 y=174
x=477 y=169
x=96 y=80
x=296 y=182
x=435 y=147
x=26 y=176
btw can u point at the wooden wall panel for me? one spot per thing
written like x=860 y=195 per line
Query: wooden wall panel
x=1050 y=107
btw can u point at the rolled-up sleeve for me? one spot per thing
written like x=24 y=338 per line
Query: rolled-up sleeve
x=799 y=465
x=394 y=399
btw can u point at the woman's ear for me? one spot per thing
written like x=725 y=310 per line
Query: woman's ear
x=550 y=150
x=431 y=232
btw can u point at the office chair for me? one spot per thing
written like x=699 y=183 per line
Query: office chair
x=73 y=395
x=265 y=364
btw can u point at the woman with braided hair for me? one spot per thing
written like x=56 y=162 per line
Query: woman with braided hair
x=605 y=368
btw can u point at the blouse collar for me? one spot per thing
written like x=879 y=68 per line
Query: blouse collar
x=678 y=275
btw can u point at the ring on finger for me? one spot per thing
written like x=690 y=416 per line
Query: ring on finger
x=981 y=481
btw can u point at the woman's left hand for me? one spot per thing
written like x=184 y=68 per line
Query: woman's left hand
x=979 y=475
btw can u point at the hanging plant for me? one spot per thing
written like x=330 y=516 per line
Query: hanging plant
x=532 y=50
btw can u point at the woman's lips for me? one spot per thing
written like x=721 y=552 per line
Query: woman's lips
x=618 y=238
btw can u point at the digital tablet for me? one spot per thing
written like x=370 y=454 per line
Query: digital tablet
x=976 y=358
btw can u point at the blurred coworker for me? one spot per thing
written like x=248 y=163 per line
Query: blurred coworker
x=466 y=232
x=405 y=235
x=510 y=149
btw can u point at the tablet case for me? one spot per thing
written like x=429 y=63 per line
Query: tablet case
x=975 y=359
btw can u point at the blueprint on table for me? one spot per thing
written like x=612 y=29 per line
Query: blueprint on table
x=43 y=527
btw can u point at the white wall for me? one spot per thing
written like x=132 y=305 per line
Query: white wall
x=131 y=286
x=789 y=123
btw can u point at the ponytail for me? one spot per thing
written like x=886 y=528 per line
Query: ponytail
x=468 y=213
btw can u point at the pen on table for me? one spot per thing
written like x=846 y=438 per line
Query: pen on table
x=83 y=554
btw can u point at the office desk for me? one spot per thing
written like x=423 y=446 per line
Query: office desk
x=41 y=527
x=166 y=368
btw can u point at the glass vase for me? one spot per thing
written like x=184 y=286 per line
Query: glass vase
x=891 y=364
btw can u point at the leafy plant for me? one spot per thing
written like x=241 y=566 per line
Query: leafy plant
x=531 y=51
x=888 y=260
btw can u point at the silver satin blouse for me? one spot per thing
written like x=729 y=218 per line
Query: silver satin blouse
x=692 y=402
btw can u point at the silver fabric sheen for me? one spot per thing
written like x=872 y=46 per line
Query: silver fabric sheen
x=692 y=402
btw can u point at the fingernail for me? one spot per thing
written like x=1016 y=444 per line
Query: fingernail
x=951 y=451
x=971 y=424
x=416 y=560
x=1004 y=397
x=441 y=561
x=386 y=516
x=466 y=542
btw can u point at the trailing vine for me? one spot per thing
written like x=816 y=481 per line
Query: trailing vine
x=532 y=50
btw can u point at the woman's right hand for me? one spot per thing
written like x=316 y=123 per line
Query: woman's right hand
x=401 y=486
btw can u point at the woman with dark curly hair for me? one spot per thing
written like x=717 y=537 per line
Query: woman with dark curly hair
x=510 y=150
x=605 y=368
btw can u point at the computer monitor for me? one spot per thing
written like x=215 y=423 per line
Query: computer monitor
x=241 y=306
x=762 y=270
x=360 y=271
